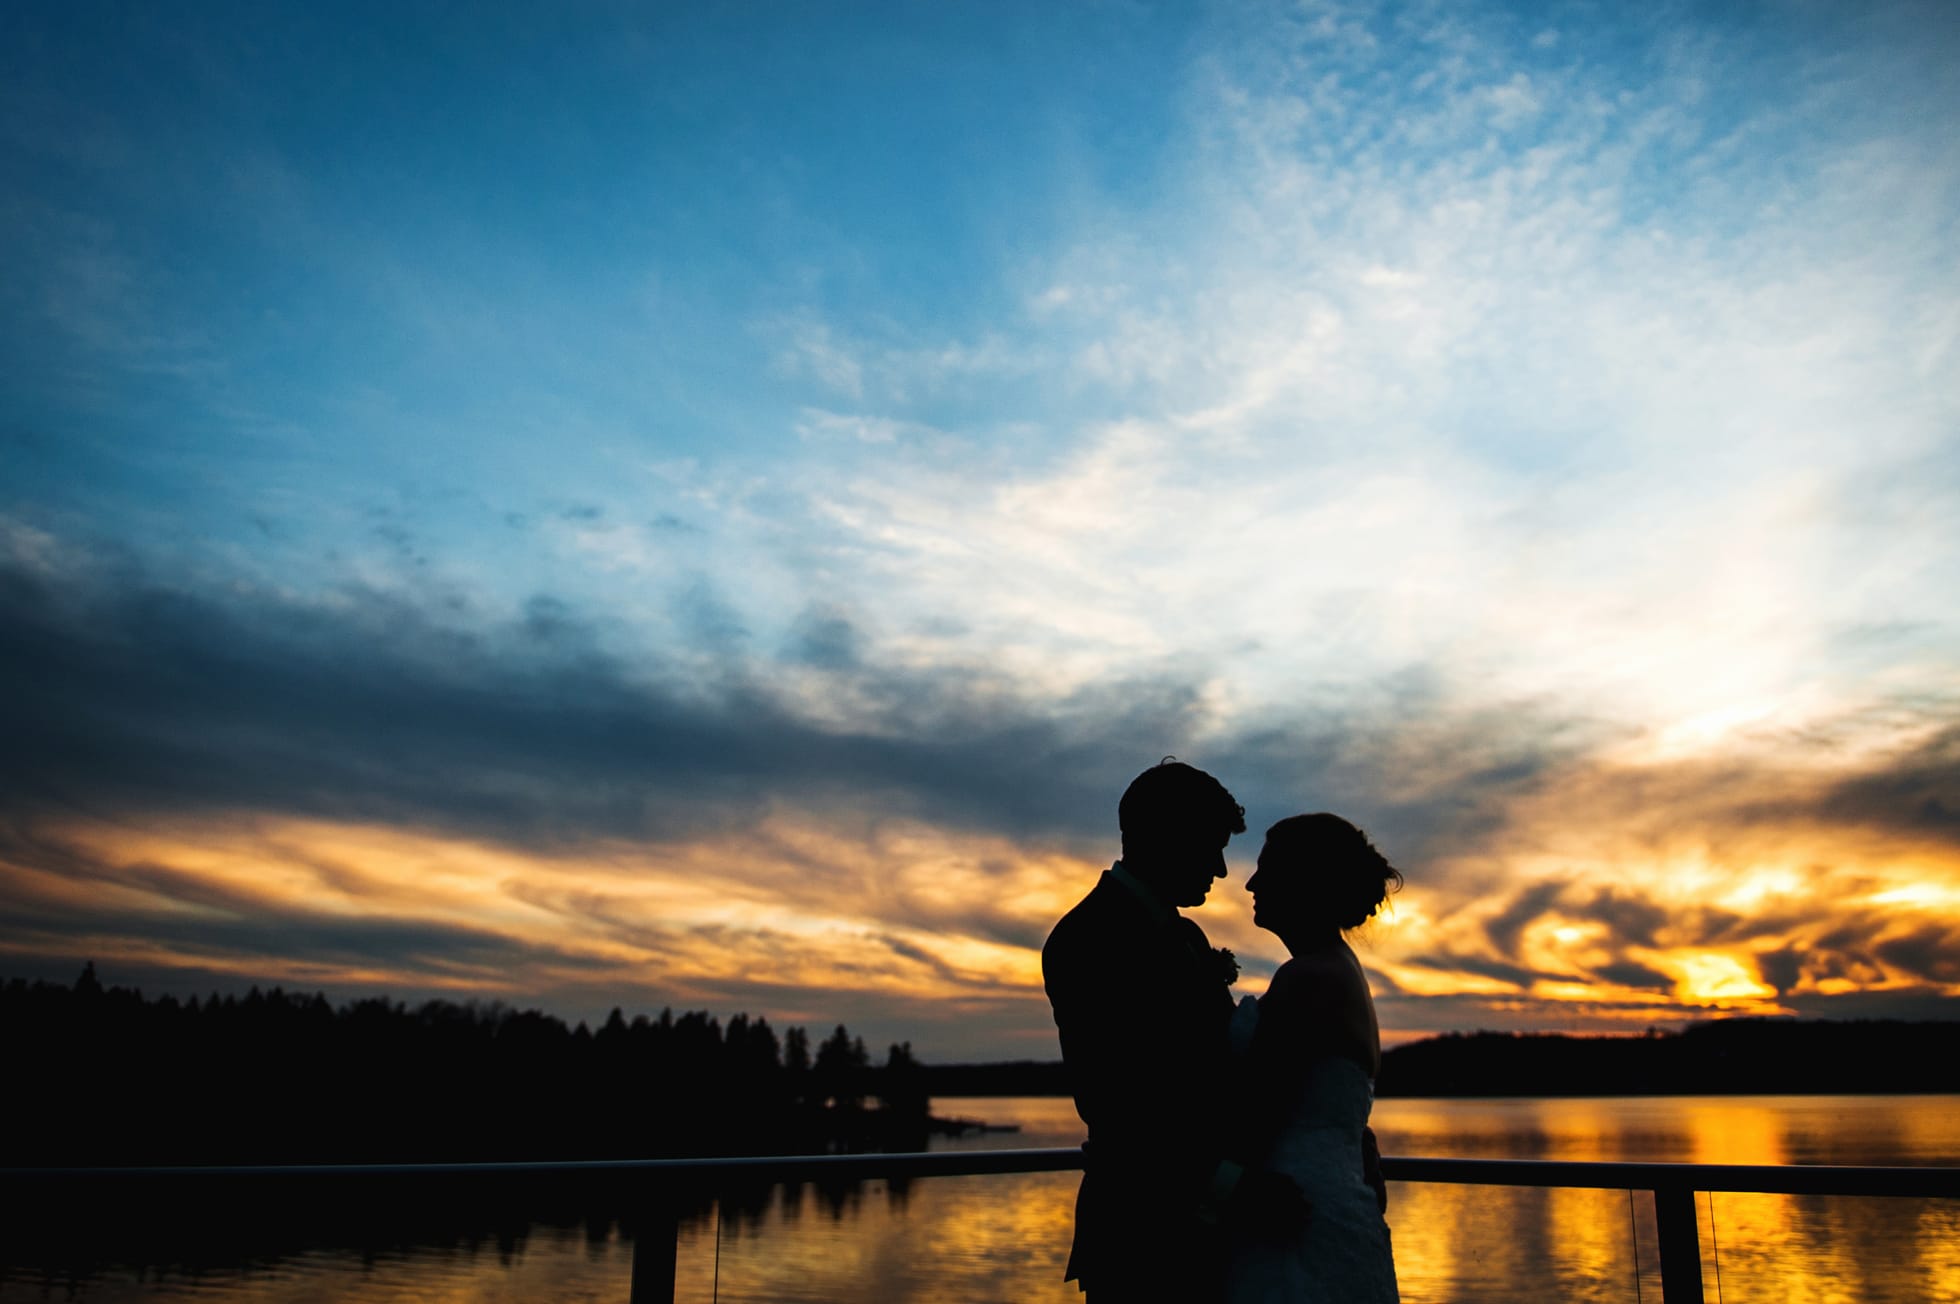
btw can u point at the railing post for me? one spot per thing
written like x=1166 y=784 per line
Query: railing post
x=1680 y=1238
x=656 y=1245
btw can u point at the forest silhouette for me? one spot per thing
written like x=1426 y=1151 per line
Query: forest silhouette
x=1720 y=1056
x=105 y=1076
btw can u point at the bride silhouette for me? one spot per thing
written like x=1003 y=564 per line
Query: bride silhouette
x=1309 y=1050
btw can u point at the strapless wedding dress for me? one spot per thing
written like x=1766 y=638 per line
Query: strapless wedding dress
x=1342 y=1255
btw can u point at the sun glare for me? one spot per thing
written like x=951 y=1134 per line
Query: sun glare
x=1714 y=978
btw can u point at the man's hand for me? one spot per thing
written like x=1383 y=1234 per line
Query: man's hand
x=1270 y=1204
x=1371 y=1167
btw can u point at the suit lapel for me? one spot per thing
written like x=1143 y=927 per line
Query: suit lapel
x=1180 y=942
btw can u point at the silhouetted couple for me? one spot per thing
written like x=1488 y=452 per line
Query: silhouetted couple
x=1229 y=1158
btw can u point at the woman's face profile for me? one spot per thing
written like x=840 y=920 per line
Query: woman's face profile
x=1276 y=885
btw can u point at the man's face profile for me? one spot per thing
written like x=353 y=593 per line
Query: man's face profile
x=1190 y=865
x=1176 y=821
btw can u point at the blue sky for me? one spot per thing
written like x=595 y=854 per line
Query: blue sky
x=827 y=450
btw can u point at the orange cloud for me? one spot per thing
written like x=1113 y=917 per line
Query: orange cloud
x=1604 y=912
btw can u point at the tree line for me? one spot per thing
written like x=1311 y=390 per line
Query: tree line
x=105 y=1075
x=1734 y=1056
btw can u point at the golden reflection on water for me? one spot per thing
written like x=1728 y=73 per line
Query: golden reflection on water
x=956 y=1238
x=1459 y=1243
x=995 y=1238
x=1005 y=1238
x=560 y=1265
x=1829 y=1250
x=1465 y=1243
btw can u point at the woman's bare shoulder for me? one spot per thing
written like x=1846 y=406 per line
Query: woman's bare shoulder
x=1313 y=971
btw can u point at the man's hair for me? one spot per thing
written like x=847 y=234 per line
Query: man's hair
x=1172 y=800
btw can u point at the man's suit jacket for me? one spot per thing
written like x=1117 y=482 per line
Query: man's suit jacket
x=1143 y=1011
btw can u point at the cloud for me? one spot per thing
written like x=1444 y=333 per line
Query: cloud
x=154 y=697
x=1919 y=792
x=342 y=789
x=1385 y=393
x=811 y=349
x=150 y=696
x=817 y=424
x=1504 y=927
x=1514 y=976
x=68 y=899
x=1930 y=954
x=1627 y=973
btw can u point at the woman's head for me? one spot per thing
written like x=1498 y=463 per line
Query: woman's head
x=1319 y=872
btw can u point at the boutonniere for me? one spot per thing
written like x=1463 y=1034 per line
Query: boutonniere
x=1226 y=964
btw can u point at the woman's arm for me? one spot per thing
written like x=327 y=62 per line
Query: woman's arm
x=1308 y=1012
x=1275 y=1065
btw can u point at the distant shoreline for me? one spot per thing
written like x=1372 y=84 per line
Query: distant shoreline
x=1491 y=1095
x=1720 y=1057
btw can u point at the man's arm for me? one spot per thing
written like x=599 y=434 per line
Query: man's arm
x=1135 y=1079
x=1106 y=1049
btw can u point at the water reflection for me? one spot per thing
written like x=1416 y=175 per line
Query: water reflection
x=1487 y=1243
x=1469 y=1243
x=1005 y=1237
x=1829 y=1250
x=967 y=1238
x=563 y=1265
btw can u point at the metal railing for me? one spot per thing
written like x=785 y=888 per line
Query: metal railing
x=659 y=1187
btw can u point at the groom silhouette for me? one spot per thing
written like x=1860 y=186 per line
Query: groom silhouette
x=1143 y=1006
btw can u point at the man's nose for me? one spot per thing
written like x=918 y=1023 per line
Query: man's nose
x=1220 y=871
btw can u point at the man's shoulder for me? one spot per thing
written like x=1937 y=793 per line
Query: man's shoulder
x=1105 y=900
x=1091 y=920
x=1073 y=921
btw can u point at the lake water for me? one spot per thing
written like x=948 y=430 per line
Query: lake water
x=1005 y=1238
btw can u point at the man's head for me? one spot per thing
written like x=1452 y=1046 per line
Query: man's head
x=1176 y=820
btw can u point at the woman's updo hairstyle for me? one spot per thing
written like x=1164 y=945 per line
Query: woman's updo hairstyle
x=1352 y=877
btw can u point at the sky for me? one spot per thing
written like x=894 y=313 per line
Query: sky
x=708 y=505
